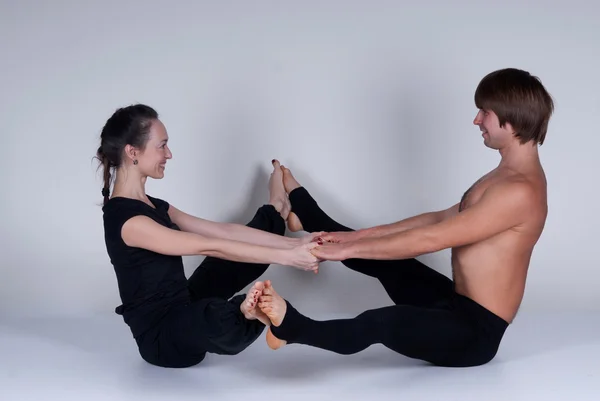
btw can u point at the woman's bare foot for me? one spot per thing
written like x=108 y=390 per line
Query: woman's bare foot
x=249 y=306
x=277 y=194
x=290 y=183
x=274 y=306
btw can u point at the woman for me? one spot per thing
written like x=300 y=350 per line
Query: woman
x=176 y=321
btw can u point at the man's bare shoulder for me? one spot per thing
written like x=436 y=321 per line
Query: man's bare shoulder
x=516 y=188
x=521 y=193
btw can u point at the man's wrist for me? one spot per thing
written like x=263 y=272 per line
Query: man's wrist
x=349 y=250
x=363 y=233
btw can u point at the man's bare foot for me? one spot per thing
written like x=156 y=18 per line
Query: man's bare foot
x=249 y=306
x=274 y=342
x=274 y=306
x=278 y=197
x=290 y=183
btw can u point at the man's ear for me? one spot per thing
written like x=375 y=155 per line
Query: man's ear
x=508 y=126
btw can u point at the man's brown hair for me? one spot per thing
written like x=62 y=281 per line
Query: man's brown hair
x=519 y=98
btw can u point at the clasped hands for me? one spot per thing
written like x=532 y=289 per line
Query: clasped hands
x=333 y=246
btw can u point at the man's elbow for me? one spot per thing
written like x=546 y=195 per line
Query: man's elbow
x=402 y=249
x=432 y=243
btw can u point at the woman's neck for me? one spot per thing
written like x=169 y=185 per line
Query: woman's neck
x=130 y=184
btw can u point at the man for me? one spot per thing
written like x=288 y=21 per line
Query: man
x=492 y=232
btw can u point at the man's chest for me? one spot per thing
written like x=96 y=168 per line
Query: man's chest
x=476 y=190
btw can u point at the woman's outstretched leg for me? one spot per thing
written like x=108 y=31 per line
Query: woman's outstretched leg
x=223 y=278
x=216 y=325
x=406 y=281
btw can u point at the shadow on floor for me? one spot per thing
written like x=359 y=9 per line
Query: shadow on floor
x=110 y=341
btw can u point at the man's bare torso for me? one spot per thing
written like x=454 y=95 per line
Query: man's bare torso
x=493 y=272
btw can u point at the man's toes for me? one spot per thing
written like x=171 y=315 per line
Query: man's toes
x=265 y=302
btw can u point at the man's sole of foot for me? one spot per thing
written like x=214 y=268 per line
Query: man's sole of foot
x=290 y=183
x=274 y=342
x=293 y=223
x=278 y=195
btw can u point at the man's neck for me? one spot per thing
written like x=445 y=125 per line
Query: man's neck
x=518 y=156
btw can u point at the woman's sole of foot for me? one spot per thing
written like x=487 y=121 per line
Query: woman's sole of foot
x=249 y=306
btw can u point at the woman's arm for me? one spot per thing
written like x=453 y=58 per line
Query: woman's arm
x=143 y=232
x=230 y=231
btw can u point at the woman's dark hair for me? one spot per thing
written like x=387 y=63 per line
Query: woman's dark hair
x=127 y=126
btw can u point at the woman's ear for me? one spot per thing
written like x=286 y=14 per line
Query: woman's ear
x=131 y=152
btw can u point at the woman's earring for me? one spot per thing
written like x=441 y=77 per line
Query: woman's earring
x=135 y=162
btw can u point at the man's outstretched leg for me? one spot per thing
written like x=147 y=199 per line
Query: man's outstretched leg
x=408 y=281
x=305 y=214
x=459 y=335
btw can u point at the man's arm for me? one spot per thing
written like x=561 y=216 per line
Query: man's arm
x=424 y=219
x=229 y=231
x=500 y=208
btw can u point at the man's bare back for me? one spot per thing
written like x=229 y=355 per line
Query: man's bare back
x=493 y=272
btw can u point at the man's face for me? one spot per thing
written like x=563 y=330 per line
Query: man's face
x=494 y=136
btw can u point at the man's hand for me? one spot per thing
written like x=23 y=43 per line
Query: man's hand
x=312 y=237
x=341 y=237
x=330 y=251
